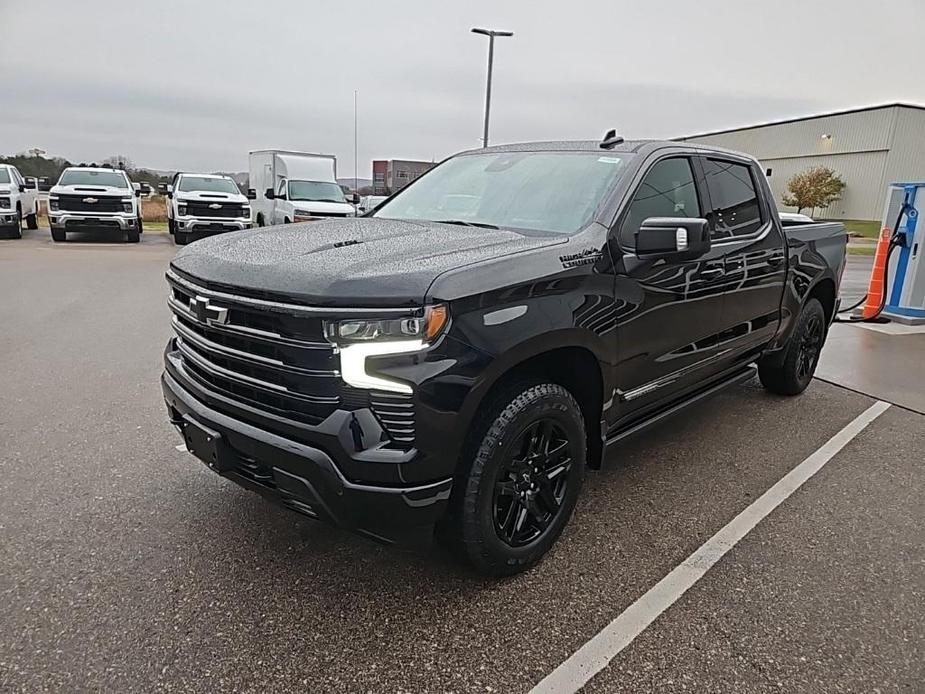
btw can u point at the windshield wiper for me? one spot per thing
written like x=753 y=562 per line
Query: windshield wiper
x=460 y=222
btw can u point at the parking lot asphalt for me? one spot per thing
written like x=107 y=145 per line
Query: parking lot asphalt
x=125 y=565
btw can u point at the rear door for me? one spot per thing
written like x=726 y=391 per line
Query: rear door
x=668 y=328
x=754 y=265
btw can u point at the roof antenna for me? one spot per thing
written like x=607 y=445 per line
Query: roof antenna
x=611 y=140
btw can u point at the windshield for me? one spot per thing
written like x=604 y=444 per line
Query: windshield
x=318 y=191
x=207 y=184
x=93 y=178
x=4 y=175
x=544 y=191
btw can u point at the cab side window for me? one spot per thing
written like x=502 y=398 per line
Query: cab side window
x=281 y=191
x=667 y=190
x=736 y=211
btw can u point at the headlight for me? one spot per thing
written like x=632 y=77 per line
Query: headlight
x=181 y=210
x=5 y=202
x=246 y=212
x=126 y=205
x=425 y=328
x=358 y=339
x=302 y=213
x=53 y=204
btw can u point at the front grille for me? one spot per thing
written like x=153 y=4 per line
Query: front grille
x=203 y=208
x=273 y=357
x=89 y=202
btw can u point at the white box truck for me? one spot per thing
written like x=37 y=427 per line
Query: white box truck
x=296 y=187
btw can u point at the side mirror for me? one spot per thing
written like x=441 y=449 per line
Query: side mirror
x=672 y=238
x=269 y=194
x=30 y=181
x=354 y=198
x=251 y=194
x=162 y=188
x=22 y=187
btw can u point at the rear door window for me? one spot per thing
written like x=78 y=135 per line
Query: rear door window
x=667 y=190
x=733 y=194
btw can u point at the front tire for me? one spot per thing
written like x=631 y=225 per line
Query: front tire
x=58 y=235
x=32 y=221
x=524 y=479
x=791 y=372
x=132 y=235
x=181 y=238
x=16 y=229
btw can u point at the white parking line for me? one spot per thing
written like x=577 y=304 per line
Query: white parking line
x=597 y=653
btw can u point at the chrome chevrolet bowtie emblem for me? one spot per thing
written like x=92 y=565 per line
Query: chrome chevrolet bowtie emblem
x=90 y=200
x=206 y=312
x=214 y=206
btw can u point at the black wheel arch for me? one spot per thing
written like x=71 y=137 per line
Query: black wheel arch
x=575 y=367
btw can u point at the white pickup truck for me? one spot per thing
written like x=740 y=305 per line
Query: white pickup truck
x=204 y=204
x=94 y=199
x=18 y=201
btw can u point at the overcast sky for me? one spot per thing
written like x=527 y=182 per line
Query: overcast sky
x=195 y=85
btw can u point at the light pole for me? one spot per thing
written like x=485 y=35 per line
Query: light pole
x=490 y=33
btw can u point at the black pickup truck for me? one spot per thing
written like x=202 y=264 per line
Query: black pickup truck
x=456 y=359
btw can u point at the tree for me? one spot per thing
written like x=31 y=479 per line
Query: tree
x=119 y=161
x=818 y=187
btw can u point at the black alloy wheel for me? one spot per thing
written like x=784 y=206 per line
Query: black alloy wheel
x=790 y=370
x=520 y=484
x=532 y=485
x=810 y=346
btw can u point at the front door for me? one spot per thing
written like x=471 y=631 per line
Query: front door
x=669 y=324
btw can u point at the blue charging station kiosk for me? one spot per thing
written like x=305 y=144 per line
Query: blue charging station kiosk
x=905 y=293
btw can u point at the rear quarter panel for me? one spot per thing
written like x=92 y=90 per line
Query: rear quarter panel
x=815 y=253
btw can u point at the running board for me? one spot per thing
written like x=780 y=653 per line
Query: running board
x=737 y=377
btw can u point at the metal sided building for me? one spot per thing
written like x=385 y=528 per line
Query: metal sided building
x=868 y=147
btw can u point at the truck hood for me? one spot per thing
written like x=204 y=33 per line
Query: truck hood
x=91 y=190
x=351 y=262
x=209 y=196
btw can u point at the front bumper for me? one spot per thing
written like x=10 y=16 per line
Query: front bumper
x=217 y=224
x=78 y=221
x=304 y=478
x=8 y=218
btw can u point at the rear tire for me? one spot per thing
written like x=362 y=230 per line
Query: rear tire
x=791 y=372
x=518 y=493
x=32 y=221
x=58 y=235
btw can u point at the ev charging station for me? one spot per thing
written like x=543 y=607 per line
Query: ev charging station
x=905 y=293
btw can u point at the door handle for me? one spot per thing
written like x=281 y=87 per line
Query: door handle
x=710 y=273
